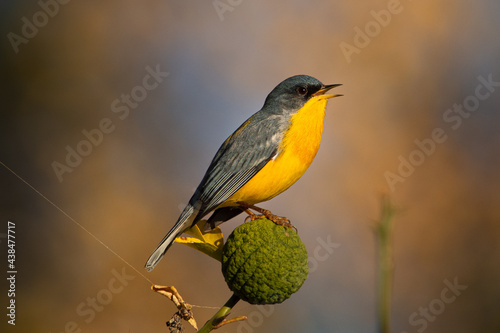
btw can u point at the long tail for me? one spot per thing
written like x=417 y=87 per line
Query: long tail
x=184 y=222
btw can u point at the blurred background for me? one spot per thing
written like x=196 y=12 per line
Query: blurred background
x=111 y=112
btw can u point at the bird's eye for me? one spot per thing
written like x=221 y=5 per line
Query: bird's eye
x=301 y=91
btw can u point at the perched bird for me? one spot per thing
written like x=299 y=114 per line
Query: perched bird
x=261 y=159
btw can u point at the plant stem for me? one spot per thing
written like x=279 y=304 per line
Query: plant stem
x=220 y=315
x=386 y=267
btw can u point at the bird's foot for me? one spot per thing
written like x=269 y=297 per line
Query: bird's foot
x=264 y=213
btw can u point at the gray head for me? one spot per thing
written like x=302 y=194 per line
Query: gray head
x=294 y=92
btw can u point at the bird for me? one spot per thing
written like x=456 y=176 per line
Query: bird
x=266 y=155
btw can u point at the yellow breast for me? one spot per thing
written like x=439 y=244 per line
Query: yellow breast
x=296 y=152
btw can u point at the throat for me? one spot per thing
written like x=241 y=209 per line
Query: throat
x=303 y=137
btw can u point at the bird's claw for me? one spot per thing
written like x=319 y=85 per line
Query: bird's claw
x=264 y=213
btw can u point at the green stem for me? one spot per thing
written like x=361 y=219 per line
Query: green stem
x=386 y=267
x=220 y=315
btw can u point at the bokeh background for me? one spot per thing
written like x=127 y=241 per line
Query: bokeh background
x=222 y=58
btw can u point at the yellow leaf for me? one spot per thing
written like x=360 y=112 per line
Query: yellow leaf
x=210 y=243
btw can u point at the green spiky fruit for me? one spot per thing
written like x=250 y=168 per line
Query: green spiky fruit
x=264 y=263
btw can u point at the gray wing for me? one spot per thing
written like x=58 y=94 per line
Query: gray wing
x=239 y=158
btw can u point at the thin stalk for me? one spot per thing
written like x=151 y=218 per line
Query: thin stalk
x=386 y=267
x=220 y=315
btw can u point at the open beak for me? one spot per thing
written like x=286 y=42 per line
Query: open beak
x=324 y=89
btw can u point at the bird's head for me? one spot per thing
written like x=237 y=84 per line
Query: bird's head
x=291 y=94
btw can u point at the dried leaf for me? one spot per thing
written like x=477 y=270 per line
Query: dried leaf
x=183 y=307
